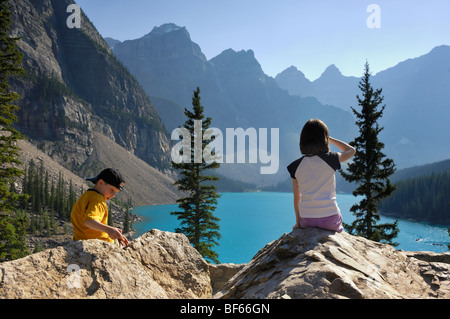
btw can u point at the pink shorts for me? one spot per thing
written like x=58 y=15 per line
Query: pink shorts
x=333 y=222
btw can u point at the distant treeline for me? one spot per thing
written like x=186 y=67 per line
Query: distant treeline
x=422 y=170
x=47 y=199
x=421 y=198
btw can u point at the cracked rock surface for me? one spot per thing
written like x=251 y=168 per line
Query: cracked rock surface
x=156 y=265
x=315 y=263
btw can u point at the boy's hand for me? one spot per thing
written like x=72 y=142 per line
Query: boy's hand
x=113 y=232
x=116 y=233
x=123 y=241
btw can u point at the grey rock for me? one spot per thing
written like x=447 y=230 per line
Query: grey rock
x=315 y=263
x=156 y=265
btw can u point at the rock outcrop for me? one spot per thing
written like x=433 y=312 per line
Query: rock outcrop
x=315 y=263
x=306 y=263
x=221 y=273
x=156 y=265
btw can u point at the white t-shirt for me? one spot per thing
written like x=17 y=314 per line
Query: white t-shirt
x=315 y=176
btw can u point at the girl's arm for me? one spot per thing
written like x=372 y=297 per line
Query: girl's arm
x=347 y=150
x=297 y=198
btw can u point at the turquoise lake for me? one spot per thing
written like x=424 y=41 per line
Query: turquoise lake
x=251 y=220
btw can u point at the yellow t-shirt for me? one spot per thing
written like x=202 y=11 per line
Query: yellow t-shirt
x=90 y=206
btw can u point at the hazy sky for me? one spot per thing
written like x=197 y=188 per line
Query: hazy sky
x=310 y=35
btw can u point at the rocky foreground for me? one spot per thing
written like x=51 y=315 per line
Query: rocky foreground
x=306 y=263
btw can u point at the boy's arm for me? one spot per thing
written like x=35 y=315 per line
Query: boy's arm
x=347 y=150
x=113 y=233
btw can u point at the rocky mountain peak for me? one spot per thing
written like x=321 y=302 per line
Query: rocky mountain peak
x=295 y=82
x=248 y=55
x=292 y=70
x=167 y=28
x=331 y=72
x=167 y=41
x=241 y=62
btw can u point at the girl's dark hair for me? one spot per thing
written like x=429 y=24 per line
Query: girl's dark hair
x=314 y=138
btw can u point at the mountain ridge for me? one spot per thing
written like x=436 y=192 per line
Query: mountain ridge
x=416 y=97
x=235 y=92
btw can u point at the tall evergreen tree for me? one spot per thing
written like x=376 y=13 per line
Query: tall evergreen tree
x=370 y=168
x=12 y=235
x=126 y=221
x=197 y=220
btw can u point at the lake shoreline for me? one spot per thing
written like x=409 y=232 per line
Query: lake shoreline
x=250 y=220
x=382 y=213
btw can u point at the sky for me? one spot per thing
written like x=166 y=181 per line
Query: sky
x=310 y=35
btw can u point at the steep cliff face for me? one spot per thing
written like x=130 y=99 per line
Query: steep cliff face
x=166 y=63
x=74 y=86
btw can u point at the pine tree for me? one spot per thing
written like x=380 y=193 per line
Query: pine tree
x=126 y=221
x=71 y=200
x=370 y=169
x=12 y=235
x=46 y=189
x=60 y=195
x=51 y=200
x=197 y=220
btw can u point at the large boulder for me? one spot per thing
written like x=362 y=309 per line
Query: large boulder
x=156 y=265
x=171 y=261
x=316 y=263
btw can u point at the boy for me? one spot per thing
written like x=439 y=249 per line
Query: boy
x=90 y=214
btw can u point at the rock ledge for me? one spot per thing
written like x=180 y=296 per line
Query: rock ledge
x=156 y=265
x=306 y=263
x=315 y=263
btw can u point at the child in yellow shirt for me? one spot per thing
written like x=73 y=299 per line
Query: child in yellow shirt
x=89 y=215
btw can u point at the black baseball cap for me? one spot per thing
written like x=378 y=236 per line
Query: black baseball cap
x=109 y=176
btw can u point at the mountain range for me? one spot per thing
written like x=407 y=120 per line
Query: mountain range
x=235 y=93
x=417 y=98
x=81 y=92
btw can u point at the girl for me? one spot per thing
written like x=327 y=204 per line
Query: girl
x=313 y=178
